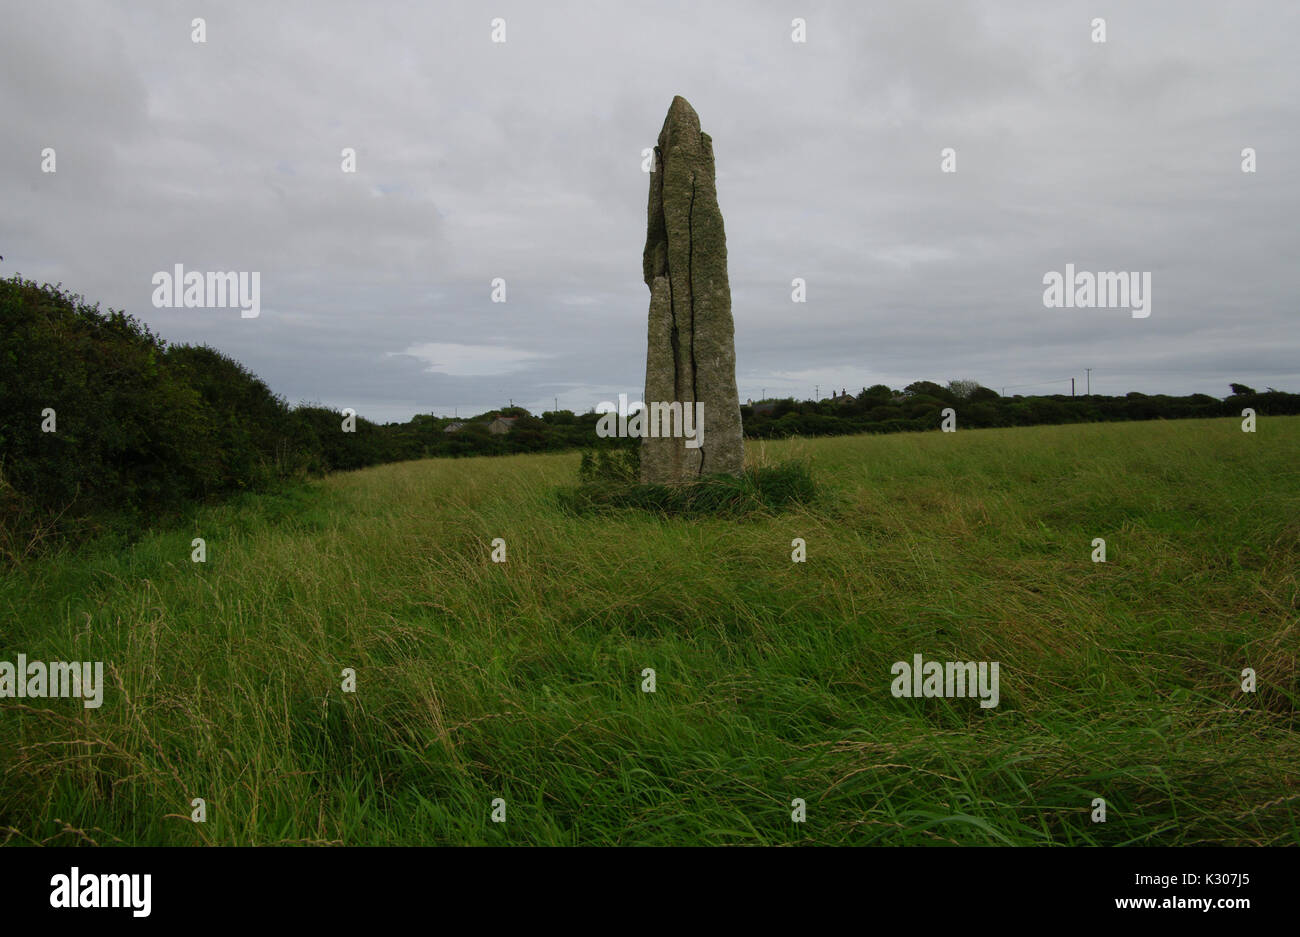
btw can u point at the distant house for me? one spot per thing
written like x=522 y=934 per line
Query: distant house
x=502 y=425
x=453 y=427
x=839 y=399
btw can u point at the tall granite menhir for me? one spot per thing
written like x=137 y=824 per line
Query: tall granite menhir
x=691 y=355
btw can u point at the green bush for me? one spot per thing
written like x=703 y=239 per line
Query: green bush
x=137 y=427
x=771 y=488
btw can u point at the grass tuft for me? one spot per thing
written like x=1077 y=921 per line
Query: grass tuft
x=759 y=489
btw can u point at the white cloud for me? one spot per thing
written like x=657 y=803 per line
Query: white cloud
x=457 y=360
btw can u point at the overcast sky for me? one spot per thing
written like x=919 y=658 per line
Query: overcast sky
x=522 y=160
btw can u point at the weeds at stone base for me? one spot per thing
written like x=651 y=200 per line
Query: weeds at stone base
x=760 y=489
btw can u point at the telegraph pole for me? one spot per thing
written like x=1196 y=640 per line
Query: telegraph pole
x=1071 y=387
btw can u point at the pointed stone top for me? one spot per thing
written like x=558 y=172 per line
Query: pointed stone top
x=681 y=126
x=682 y=106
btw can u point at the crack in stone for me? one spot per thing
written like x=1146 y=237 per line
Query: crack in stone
x=690 y=278
x=674 y=336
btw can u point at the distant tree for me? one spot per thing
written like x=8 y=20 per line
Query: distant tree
x=963 y=388
x=929 y=389
x=980 y=414
x=1239 y=390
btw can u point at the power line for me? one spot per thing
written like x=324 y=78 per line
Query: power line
x=1064 y=380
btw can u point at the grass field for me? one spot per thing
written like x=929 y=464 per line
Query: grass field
x=523 y=680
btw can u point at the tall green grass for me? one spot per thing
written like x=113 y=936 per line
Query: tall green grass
x=522 y=680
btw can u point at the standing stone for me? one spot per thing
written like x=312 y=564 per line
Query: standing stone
x=691 y=353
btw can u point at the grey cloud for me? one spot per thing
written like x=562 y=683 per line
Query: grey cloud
x=522 y=161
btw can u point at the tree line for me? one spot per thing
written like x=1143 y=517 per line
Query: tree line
x=920 y=406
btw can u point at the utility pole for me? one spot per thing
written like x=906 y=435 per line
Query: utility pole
x=817 y=392
x=764 y=393
x=1071 y=387
x=1089 y=370
x=557 y=404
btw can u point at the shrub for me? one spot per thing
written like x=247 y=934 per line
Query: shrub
x=768 y=488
